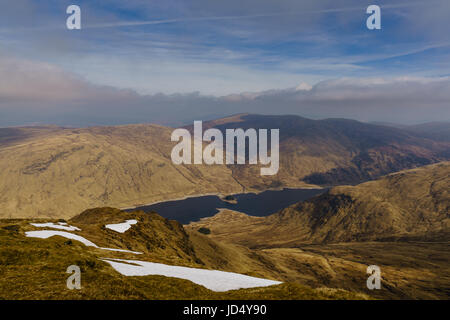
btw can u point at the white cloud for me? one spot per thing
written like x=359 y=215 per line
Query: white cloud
x=40 y=92
x=303 y=87
x=25 y=80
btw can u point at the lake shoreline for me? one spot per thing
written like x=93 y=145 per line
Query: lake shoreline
x=219 y=194
x=263 y=203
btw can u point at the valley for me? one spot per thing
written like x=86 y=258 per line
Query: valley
x=347 y=195
x=315 y=253
x=55 y=172
x=195 y=151
x=399 y=222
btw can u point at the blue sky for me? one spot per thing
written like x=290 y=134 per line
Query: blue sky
x=142 y=49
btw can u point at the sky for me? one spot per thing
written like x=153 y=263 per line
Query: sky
x=175 y=61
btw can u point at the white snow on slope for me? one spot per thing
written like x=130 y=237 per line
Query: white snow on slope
x=44 y=234
x=60 y=225
x=121 y=250
x=212 y=279
x=121 y=227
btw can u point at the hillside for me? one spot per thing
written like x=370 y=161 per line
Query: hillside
x=319 y=249
x=438 y=130
x=60 y=172
x=413 y=203
x=399 y=222
x=432 y=130
x=56 y=172
x=335 y=151
x=408 y=204
x=34 y=268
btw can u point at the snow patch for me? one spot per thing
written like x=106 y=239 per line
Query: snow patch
x=44 y=234
x=211 y=279
x=60 y=225
x=121 y=227
x=121 y=250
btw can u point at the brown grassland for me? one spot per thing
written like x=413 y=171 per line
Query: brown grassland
x=36 y=269
x=320 y=248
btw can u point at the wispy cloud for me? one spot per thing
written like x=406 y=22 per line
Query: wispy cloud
x=251 y=16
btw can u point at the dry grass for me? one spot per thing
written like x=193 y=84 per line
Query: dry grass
x=36 y=269
x=330 y=240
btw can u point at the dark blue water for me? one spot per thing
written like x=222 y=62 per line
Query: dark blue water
x=262 y=204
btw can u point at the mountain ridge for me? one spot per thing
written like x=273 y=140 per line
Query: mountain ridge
x=411 y=204
x=57 y=172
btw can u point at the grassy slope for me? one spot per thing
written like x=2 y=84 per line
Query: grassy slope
x=329 y=240
x=62 y=172
x=35 y=269
x=410 y=270
x=410 y=204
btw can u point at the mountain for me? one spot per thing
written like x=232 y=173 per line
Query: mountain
x=399 y=222
x=319 y=248
x=389 y=124
x=439 y=131
x=412 y=204
x=57 y=172
x=335 y=151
